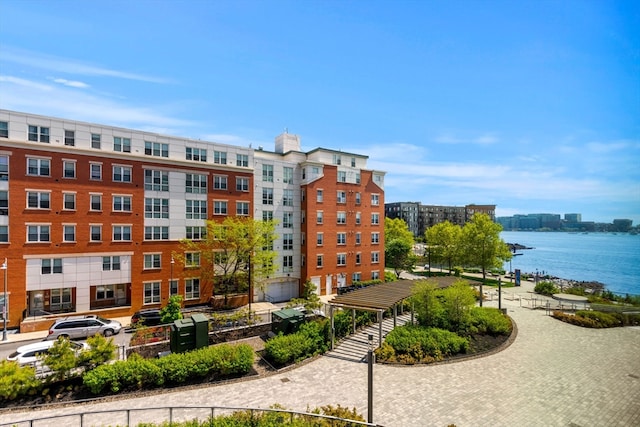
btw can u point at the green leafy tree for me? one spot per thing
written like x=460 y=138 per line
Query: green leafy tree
x=173 y=310
x=444 y=242
x=397 y=229
x=309 y=298
x=483 y=246
x=16 y=380
x=398 y=254
x=61 y=358
x=427 y=304
x=458 y=301
x=232 y=253
x=101 y=350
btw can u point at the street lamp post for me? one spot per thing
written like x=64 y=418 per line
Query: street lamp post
x=370 y=381
x=5 y=308
x=250 y=280
x=171 y=277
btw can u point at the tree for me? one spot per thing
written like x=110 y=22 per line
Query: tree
x=231 y=252
x=398 y=245
x=426 y=303
x=60 y=358
x=309 y=298
x=172 y=311
x=444 y=242
x=101 y=350
x=483 y=246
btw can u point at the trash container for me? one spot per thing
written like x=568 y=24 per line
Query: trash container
x=182 y=336
x=286 y=320
x=201 y=330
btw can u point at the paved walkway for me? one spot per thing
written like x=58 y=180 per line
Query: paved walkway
x=554 y=374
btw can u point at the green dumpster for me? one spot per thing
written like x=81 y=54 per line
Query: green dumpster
x=201 y=326
x=182 y=336
x=286 y=320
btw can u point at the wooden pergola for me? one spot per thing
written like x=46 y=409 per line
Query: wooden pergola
x=378 y=299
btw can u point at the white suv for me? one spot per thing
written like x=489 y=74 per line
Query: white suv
x=83 y=327
x=28 y=354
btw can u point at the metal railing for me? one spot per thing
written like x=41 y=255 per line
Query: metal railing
x=175 y=414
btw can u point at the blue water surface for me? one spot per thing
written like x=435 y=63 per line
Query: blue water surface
x=610 y=258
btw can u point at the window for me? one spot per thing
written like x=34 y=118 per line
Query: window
x=358 y=197
x=341 y=259
x=122 y=145
x=38 y=133
x=152 y=261
x=69 y=138
x=337 y=159
x=358 y=258
x=4 y=233
x=104 y=292
x=96 y=171
x=121 y=174
x=156 y=149
x=219 y=182
x=358 y=238
x=4 y=203
x=342 y=176
x=358 y=218
x=341 y=238
x=353 y=162
x=95 y=232
x=196 y=233
x=38 y=233
x=196 y=209
x=4 y=129
x=319 y=196
x=358 y=178
x=38 y=200
x=319 y=261
x=356 y=277
x=156 y=233
x=375 y=238
x=196 y=154
x=68 y=169
x=242 y=160
x=192 y=288
x=51 y=266
x=192 y=259
x=173 y=287
x=319 y=239
x=267 y=196
x=375 y=200
x=375 y=257
x=38 y=167
x=96 y=140
x=375 y=218
x=156 y=208
x=220 y=157
x=4 y=168
x=287 y=241
x=267 y=215
x=342 y=197
x=319 y=217
x=96 y=202
x=242 y=184
x=219 y=207
x=196 y=183
x=287 y=197
x=375 y=275
x=110 y=263
x=341 y=217
x=121 y=233
x=287 y=175
x=267 y=173
x=287 y=220
x=122 y=203
x=152 y=293
x=242 y=208
x=69 y=233
x=155 y=180
x=287 y=263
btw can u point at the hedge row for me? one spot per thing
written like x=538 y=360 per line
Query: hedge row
x=309 y=341
x=136 y=372
x=590 y=319
x=417 y=344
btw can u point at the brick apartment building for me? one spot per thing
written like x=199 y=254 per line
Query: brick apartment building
x=90 y=214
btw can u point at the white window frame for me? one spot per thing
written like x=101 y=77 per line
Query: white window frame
x=152 y=261
x=152 y=293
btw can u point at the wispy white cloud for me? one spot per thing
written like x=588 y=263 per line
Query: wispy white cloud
x=70 y=66
x=71 y=83
x=456 y=138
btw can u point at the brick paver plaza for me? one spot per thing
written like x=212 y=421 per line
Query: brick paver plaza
x=554 y=374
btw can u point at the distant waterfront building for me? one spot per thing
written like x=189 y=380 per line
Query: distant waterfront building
x=531 y=222
x=573 y=217
x=420 y=217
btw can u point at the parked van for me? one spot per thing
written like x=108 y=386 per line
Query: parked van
x=83 y=327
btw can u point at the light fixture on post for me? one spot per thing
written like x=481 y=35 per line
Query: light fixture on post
x=171 y=277
x=370 y=381
x=5 y=302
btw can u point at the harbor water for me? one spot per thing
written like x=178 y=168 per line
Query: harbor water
x=609 y=258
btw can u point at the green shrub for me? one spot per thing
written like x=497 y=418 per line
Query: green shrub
x=546 y=288
x=101 y=350
x=487 y=320
x=16 y=380
x=606 y=320
x=310 y=340
x=412 y=344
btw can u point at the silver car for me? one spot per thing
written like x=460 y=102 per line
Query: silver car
x=83 y=327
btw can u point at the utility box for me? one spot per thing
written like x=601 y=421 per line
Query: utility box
x=190 y=333
x=286 y=320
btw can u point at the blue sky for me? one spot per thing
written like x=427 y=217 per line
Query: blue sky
x=530 y=105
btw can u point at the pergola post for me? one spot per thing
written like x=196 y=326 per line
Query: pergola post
x=333 y=329
x=353 y=320
x=395 y=315
x=379 y=328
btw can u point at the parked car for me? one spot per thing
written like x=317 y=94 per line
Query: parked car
x=28 y=354
x=149 y=317
x=83 y=327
